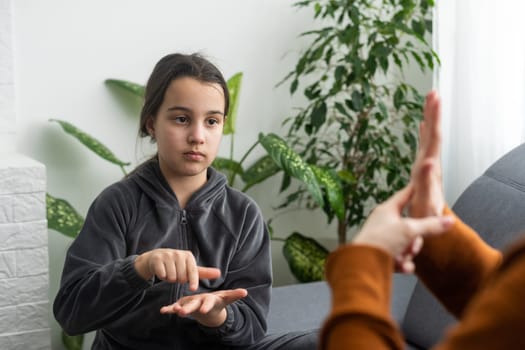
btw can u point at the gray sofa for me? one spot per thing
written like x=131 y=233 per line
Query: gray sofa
x=494 y=205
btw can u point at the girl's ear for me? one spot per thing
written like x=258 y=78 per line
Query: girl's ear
x=150 y=127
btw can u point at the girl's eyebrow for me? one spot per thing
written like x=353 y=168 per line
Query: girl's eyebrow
x=181 y=108
x=186 y=109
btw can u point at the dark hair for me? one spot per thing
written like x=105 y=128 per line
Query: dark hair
x=175 y=66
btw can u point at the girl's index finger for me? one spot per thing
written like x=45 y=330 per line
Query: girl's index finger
x=208 y=272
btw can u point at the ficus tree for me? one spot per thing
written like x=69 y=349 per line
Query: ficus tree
x=360 y=119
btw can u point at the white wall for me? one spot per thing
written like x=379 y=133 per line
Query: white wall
x=64 y=50
x=7 y=106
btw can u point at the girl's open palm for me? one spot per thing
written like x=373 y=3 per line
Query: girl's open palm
x=209 y=309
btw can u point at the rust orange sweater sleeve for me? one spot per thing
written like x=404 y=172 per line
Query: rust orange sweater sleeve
x=359 y=277
x=360 y=280
x=455 y=265
x=494 y=319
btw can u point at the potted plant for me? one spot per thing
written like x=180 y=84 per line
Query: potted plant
x=361 y=116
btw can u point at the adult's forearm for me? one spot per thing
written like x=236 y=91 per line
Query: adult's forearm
x=360 y=279
x=456 y=264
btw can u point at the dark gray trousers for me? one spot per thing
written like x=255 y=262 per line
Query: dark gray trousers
x=300 y=340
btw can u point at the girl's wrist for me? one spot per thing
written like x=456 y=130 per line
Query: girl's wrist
x=141 y=267
x=212 y=319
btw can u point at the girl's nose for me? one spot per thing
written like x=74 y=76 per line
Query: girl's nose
x=196 y=135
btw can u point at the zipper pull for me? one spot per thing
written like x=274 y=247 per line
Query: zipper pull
x=183 y=218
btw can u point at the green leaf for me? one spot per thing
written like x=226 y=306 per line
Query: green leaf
x=340 y=72
x=90 y=142
x=399 y=96
x=419 y=27
x=357 y=101
x=419 y=60
x=234 y=87
x=228 y=165
x=347 y=176
x=318 y=116
x=134 y=88
x=341 y=109
x=62 y=217
x=72 y=342
x=397 y=60
x=292 y=163
x=383 y=109
x=259 y=171
x=293 y=86
x=430 y=59
x=305 y=257
x=334 y=192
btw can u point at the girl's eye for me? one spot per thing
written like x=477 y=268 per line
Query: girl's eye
x=212 y=121
x=181 y=119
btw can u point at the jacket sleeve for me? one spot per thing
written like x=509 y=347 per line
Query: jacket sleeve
x=457 y=255
x=494 y=318
x=250 y=268
x=99 y=282
x=360 y=279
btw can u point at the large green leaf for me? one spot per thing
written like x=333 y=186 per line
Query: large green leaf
x=72 y=342
x=234 y=87
x=329 y=180
x=305 y=257
x=90 y=142
x=134 y=88
x=62 y=217
x=292 y=163
x=259 y=171
x=228 y=165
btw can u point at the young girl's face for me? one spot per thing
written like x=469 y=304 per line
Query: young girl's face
x=188 y=127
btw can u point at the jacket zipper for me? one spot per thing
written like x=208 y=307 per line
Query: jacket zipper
x=177 y=286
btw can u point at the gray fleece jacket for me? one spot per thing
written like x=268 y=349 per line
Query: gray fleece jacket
x=100 y=289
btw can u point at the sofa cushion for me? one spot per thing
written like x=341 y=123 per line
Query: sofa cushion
x=298 y=307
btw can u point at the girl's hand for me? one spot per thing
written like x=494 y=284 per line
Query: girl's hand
x=173 y=265
x=428 y=198
x=209 y=309
x=387 y=229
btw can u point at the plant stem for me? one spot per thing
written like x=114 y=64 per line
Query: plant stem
x=232 y=175
x=248 y=152
x=123 y=170
x=341 y=231
x=242 y=160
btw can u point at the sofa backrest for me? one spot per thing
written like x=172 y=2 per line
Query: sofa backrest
x=494 y=205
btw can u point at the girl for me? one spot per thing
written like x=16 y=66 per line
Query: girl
x=171 y=257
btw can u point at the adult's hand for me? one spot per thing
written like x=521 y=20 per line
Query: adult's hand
x=387 y=229
x=428 y=198
x=175 y=266
x=209 y=309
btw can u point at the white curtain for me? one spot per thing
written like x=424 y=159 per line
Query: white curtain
x=481 y=44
